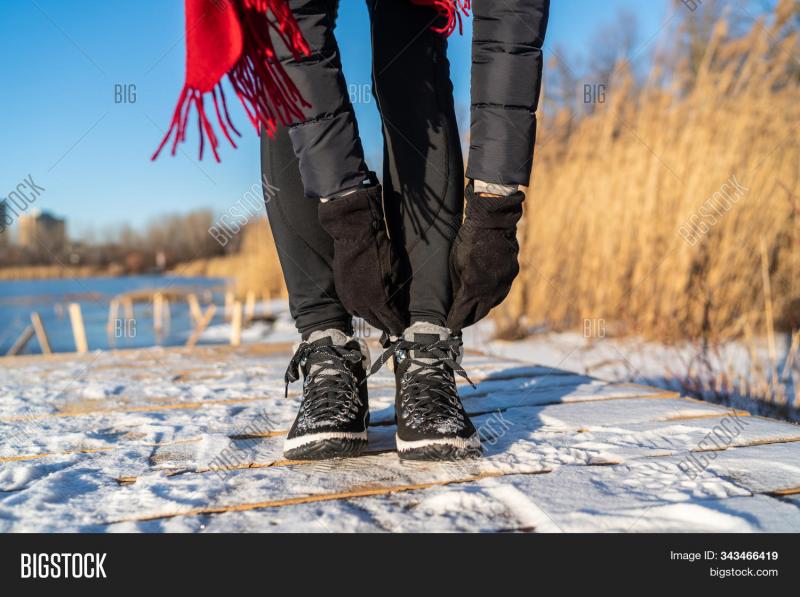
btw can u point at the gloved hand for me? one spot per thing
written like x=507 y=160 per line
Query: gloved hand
x=365 y=267
x=483 y=259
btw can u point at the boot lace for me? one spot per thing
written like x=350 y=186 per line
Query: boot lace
x=330 y=390
x=428 y=391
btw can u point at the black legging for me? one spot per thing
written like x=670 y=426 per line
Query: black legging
x=423 y=170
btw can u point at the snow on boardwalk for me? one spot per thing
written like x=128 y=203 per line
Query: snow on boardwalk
x=172 y=440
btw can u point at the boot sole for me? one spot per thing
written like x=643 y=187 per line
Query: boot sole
x=440 y=449
x=325 y=449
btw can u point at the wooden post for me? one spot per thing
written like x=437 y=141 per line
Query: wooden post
x=78 y=329
x=201 y=325
x=228 y=304
x=194 y=308
x=167 y=315
x=41 y=334
x=113 y=316
x=158 y=312
x=128 y=304
x=266 y=296
x=19 y=345
x=250 y=305
x=236 y=324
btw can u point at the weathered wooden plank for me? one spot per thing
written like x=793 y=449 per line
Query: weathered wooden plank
x=619 y=443
x=771 y=468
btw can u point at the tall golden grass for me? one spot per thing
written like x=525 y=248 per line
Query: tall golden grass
x=601 y=236
x=255 y=267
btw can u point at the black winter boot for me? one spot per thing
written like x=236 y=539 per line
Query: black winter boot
x=431 y=421
x=334 y=415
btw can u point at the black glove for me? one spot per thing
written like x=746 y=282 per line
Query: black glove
x=483 y=259
x=365 y=267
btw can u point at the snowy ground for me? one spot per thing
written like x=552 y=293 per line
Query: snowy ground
x=610 y=359
x=188 y=441
x=724 y=374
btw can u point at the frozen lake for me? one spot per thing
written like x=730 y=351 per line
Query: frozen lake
x=49 y=298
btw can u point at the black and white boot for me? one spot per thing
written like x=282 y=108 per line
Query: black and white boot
x=334 y=414
x=431 y=421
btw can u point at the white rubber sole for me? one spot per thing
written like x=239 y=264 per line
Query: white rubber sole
x=313 y=438
x=461 y=443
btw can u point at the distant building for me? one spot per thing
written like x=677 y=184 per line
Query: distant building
x=42 y=229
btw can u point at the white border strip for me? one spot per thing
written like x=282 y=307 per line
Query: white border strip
x=296 y=442
x=473 y=441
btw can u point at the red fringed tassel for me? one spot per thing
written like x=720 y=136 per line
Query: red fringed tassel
x=265 y=89
x=262 y=85
x=451 y=10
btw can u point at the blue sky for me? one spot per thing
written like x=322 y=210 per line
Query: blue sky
x=61 y=125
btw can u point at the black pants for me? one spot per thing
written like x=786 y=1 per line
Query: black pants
x=423 y=170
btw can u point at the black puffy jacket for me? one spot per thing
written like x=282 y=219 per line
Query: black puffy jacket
x=506 y=80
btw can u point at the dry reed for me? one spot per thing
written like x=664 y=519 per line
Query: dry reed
x=634 y=214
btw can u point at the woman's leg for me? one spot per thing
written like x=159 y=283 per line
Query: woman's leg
x=424 y=183
x=305 y=250
x=318 y=157
x=423 y=167
x=333 y=171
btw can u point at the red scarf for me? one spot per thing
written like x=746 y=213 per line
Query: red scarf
x=232 y=37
